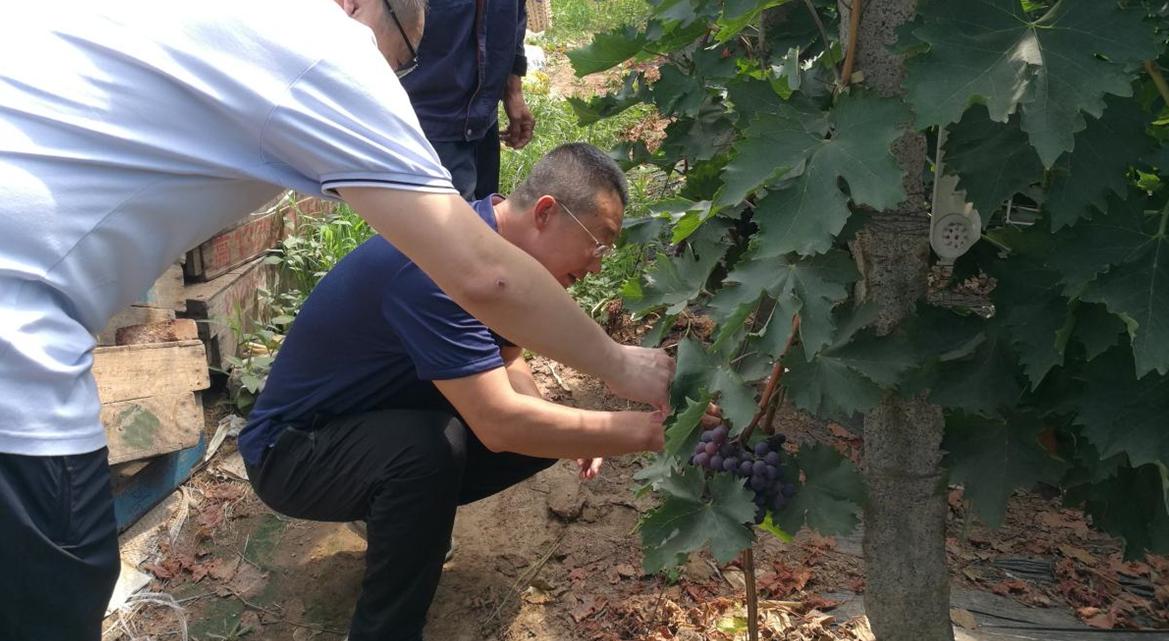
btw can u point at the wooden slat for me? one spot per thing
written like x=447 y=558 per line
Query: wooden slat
x=167 y=291
x=182 y=329
x=130 y=372
x=134 y=496
x=133 y=315
x=234 y=246
x=151 y=426
x=231 y=299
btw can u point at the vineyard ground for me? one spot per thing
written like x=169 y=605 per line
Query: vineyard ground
x=556 y=559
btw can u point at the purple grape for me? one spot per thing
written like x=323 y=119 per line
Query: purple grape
x=720 y=433
x=758 y=483
x=777 y=440
x=780 y=471
x=711 y=449
x=701 y=459
x=760 y=500
x=716 y=462
x=730 y=464
x=762 y=448
x=700 y=447
x=778 y=502
x=772 y=458
x=726 y=450
x=772 y=472
x=759 y=468
x=760 y=515
x=745 y=468
x=789 y=490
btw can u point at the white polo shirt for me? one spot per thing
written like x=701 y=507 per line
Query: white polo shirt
x=132 y=130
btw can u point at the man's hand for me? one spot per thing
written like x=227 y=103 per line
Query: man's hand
x=520 y=121
x=642 y=374
x=589 y=467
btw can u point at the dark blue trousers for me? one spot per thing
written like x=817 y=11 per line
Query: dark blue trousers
x=474 y=165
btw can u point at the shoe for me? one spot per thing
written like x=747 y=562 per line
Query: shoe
x=359 y=528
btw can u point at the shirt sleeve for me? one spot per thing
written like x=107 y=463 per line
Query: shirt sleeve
x=519 y=66
x=347 y=122
x=441 y=338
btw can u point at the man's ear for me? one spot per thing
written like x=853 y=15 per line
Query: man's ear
x=349 y=6
x=543 y=211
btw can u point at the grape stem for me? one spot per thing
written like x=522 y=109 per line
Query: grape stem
x=1158 y=79
x=854 y=21
x=748 y=563
x=772 y=383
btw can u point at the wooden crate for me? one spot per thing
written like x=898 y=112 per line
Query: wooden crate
x=539 y=15
x=251 y=237
x=141 y=485
x=149 y=397
x=227 y=304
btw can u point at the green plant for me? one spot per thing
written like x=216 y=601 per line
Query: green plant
x=803 y=181
x=320 y=242
x=575 y=21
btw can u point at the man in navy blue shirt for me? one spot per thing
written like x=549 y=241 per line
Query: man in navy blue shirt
x=389 y=403
x=465 y=68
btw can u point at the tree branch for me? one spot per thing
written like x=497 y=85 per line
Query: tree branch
x=854 y=22
x=772 y=383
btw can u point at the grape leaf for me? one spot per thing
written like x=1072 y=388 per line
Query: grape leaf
x=738 y=14
x=983 y=382
x=772 y=145
x=975 y=445
x=684 y=524
x=1121 y=414
x=697 y=372
x=809 y=287
x=831 y=496
x=1057 y=67
x=653 y=476
x=992 y=160
x=607 y=50
x=1096 y=329
x=1104 y=151
x=1034 y=308
x=673 y=281
x=852 y=374
x=701 y=137
x=806 y=214
x=682 y=432
x=1091 y=247
x=1131 y=505
x=677 y=92
x=598 y=108
x=1138 y=291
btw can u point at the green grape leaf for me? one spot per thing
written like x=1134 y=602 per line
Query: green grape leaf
x=1110 y=238
x=607 y=50
x=1104 y=151
x=805 y=215
x=678 y=92
x=1096 y=329
x=1036 y=312
x=1138 y=291
x=660 y=468
x=772 y=145
x=699 y=371
x=852 y=374
x=809 y=287
x=738 y=14
x=1131 y=505
x=684 y=525
x=1122 y=414
x=975 y=445
x=673 y=281
x=983 y=382
x=598 y=108
x=831 y=496
x=992 y=160
x=701 y=137
x=683 y=430
x=1057 y=67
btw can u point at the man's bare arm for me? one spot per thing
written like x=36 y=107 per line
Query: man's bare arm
x=507 y=289
x=519 y=372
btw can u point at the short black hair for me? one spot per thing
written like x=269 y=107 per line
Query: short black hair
x=573 y=173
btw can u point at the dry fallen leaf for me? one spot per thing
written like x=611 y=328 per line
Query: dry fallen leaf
x=963 y=618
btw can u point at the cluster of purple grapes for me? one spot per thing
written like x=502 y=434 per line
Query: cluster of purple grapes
x=762 y=465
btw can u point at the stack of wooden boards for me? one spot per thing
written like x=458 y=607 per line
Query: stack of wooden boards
x=156 y=356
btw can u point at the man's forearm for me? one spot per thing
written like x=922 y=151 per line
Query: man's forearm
x=536 y=427
x=489 y=277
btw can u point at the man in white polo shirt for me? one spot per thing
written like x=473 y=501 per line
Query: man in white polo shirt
x=133 y=130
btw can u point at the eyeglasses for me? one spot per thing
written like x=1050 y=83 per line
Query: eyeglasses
x=601 y=250
x=405 y=69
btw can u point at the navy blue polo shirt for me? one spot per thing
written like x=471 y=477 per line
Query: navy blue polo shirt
x=468 y=49
x=374 y=332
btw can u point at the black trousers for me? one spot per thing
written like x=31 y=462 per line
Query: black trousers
x=402 y=471
x=58 y=546
x=474 y=165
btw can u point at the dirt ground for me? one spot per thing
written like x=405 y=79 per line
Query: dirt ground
x=558 y=559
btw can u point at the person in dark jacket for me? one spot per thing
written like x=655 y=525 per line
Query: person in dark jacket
x=465 y=68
